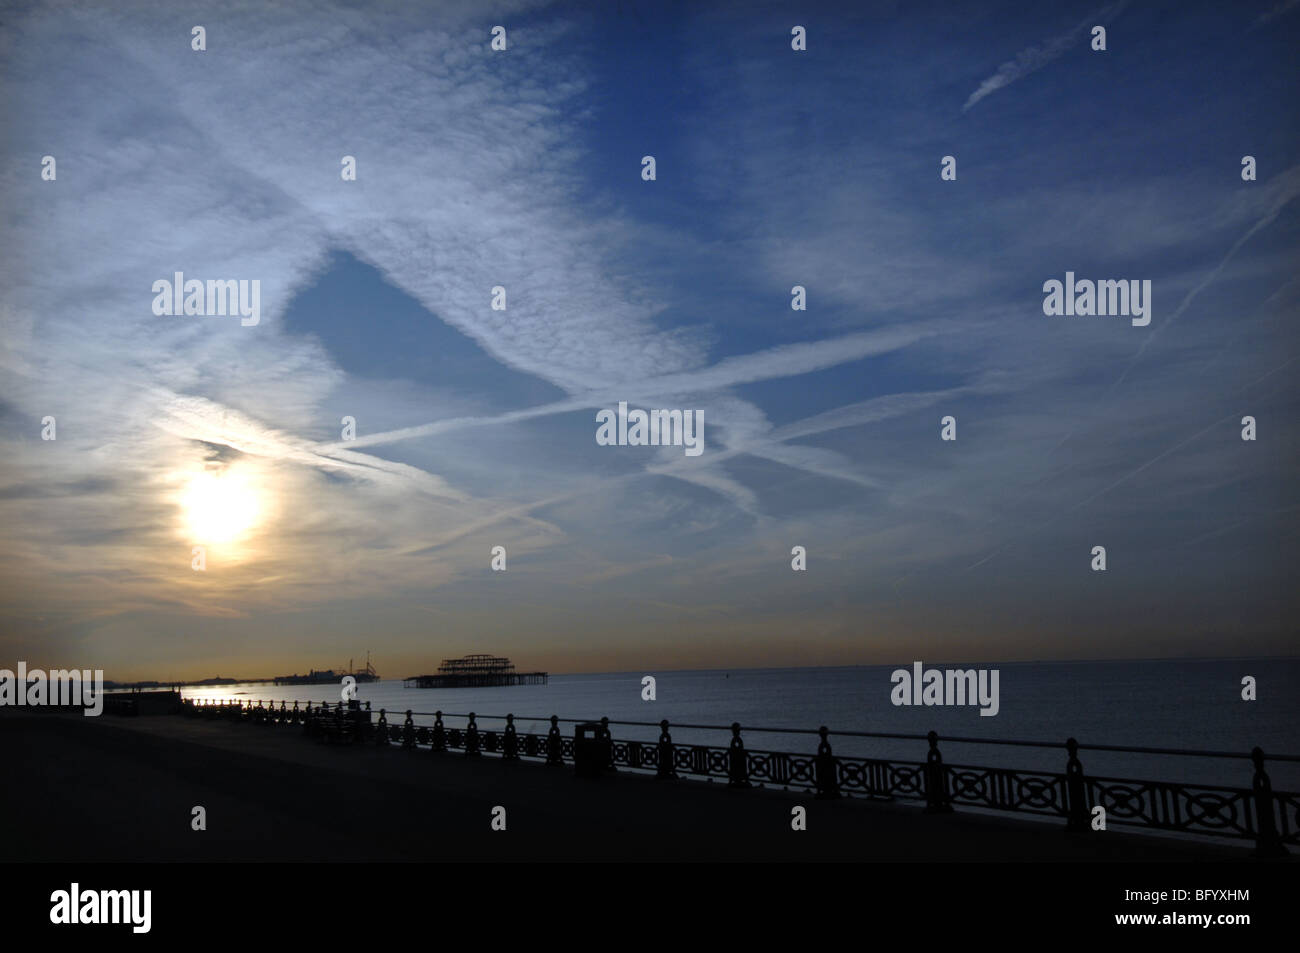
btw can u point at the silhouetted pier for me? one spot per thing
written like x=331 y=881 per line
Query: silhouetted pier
x=1255 y=812
x=476 y=671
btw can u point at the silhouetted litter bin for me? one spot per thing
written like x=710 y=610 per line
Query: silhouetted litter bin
x=359 y=722
x=591 y=749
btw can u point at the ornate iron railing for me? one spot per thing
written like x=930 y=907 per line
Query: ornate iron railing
x=1271 y=819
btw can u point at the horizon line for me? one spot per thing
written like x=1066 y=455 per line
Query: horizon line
x=774 y=668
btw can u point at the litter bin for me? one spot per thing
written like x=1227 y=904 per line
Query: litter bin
x=362 y=727
x=590 y=750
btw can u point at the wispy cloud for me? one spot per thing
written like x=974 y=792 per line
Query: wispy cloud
x=1033 y=58
x=519 y=170
x=1277 y=10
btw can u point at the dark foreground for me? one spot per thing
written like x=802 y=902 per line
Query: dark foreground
x=103 y=789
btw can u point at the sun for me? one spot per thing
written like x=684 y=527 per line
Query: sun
x=220 y=508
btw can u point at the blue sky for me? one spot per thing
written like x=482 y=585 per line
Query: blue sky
x=476 y=428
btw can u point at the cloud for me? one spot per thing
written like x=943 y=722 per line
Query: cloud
x=788 y=360
x=476 y=170
x=1033 y=58
x=1277 y=10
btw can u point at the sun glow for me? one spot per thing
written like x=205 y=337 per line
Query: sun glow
x=220 y=508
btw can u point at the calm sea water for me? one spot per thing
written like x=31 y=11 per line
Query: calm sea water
x=1167 y=704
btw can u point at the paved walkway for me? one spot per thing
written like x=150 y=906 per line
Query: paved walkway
x=106 y=789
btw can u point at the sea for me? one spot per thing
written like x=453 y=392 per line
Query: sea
x=1188 y=705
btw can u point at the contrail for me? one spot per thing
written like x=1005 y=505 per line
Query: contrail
x=1288 y=190
x=1034 y=58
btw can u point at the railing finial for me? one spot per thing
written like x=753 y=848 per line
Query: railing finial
x=438 y=742
x=471 y=737
x=510 y=740
x=1076 y=790
x=665 y=753
x=554 y=744
x=408 y=732
x=737 y=760
x=828 y=785
x=936 y=779
x=1267 y=841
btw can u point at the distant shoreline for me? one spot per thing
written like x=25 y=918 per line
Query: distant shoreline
x=117 y=683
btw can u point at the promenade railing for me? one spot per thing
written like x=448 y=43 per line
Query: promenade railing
x=1255 y=812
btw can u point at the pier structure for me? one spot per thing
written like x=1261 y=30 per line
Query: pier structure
x=476 y=671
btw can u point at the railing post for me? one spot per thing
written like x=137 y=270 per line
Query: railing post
x=936 y=779
x=471 y=737
x=1267 y=841
x=606 y=746
x=737 y=760
x=828 y=785
x=1076 y=791
x=510 y=740
x=439 y=733
x=408 y=732
x=381 y=737
x=554 y=744
x=667 y=770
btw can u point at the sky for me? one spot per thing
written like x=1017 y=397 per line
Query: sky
x=476 y=428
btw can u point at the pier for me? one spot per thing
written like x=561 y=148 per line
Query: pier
x=475 y=671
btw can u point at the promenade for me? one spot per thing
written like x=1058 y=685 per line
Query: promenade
x=116 y=789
